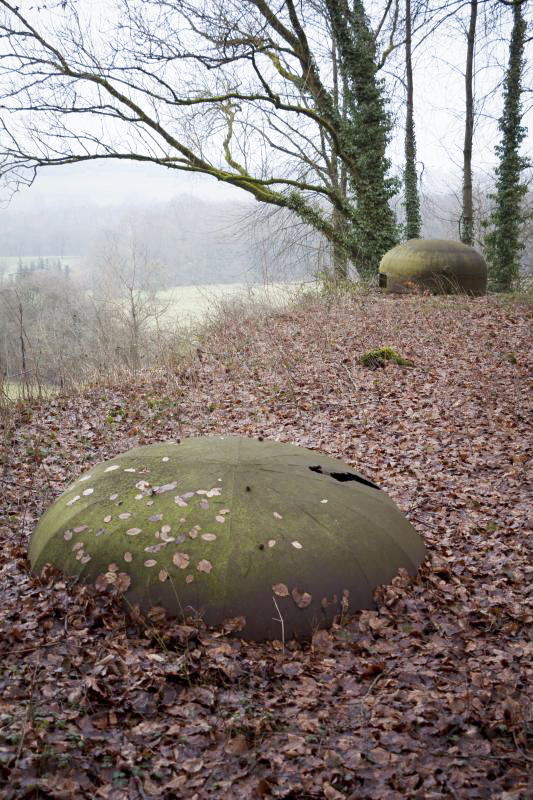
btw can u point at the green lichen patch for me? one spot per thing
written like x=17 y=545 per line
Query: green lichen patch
x=215 y=525
x=379 y=357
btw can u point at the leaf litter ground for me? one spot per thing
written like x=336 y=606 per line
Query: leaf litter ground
x=429 y=695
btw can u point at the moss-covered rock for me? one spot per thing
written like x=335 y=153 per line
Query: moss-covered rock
x=225 y=526
x=437 y=265
x=379 y=356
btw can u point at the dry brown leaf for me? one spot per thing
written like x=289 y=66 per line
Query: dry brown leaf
x=123 y=582
x=302 y=599
x=236 y=746
x=181 y=560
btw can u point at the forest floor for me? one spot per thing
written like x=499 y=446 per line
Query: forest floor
x=429 y=695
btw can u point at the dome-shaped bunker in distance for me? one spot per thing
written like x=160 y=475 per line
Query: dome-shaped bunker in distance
x=230 y=527
x=441 y=266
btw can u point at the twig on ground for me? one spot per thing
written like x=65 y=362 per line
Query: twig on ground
x=280 y=619
x=29 y=710
x=350 y=377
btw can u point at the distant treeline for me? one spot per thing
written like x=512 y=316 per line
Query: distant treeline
x=26 y=267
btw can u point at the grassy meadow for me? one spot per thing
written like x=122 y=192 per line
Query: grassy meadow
x=12 y=390
x=184 y=305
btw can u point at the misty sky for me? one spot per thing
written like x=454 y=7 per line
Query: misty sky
x=106 y=183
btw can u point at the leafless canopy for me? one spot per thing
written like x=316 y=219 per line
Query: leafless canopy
x=238 y=89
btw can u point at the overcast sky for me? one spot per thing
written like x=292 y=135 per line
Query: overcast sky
x=107 y=183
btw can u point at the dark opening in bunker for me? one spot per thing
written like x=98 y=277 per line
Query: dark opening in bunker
x=382 y=280
x=343 y=476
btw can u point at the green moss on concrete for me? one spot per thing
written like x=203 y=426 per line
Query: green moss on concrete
x=438 y=265
x=211 y=525
x=378 y=357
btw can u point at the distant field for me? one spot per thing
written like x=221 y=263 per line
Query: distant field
x=188 y=304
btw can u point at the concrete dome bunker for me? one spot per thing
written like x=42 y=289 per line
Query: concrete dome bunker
x=230 y=527
x=441 y=266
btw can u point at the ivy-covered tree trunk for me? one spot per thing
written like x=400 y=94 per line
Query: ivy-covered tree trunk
x=364 y=137
x=503 y=244
x=411 y=198
x=340 y=256
x=467 y=226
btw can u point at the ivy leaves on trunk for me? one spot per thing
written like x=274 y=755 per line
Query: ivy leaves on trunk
x=364 y=136
x=503 y=243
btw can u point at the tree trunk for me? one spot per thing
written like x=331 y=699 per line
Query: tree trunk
x=505 y=242
x=339 y=253
x=467 y=227
x=340 y=256
x=134 y=340
x=411 y=201
x=371 y=227
x=21 y=339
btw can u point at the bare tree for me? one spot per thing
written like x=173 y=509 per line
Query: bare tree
x=241 y=90
x=126 y=281
x=41 y=323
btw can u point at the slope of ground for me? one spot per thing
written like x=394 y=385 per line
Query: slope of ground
x=427 y=696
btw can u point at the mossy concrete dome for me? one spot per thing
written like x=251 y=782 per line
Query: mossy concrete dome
x=438 y=265
x=229 y=527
